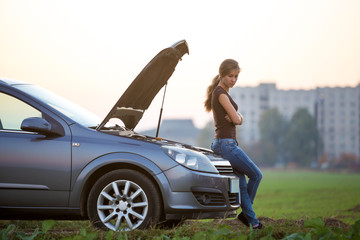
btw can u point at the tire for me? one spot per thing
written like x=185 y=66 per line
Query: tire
x=124 y=200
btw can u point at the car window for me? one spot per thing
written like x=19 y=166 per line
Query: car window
x=13 y=111
x=64 y=106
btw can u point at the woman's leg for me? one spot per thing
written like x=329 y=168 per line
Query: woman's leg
x=246 y=204
x=252 y=171
x=242 y=163
x=242 y=166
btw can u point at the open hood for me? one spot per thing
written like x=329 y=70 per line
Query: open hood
x=139 y=95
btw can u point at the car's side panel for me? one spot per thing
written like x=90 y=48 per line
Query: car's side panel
x=89 y=144
x=34 y=168
x=101 y=164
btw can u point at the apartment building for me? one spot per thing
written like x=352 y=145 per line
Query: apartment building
x=338 y=119
x=336 y=111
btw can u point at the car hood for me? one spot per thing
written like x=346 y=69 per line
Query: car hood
x=139 y=95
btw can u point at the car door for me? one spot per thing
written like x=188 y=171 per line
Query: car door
x=34 y=168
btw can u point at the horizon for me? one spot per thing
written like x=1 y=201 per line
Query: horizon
x=310 y=88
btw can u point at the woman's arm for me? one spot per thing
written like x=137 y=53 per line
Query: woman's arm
x=232 y=115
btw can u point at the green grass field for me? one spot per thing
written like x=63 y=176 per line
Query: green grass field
x=284 y=201
x=307 y=194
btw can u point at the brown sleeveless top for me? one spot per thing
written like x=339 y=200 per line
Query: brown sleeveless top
x=223 y=128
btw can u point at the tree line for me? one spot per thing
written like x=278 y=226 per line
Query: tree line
x=294 y=142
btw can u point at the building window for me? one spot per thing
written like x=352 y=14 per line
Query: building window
x=353 y=137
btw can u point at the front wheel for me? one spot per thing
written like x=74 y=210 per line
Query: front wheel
x=124 y=200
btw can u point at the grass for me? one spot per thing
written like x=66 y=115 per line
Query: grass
x=307 y=194
x=285 y=200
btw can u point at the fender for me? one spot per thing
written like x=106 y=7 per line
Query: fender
x=108 y=159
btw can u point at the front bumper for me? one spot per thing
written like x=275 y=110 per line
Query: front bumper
x=190 y=194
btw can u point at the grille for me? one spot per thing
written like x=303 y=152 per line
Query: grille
x=224 y=169
x=215 y=199
x=222 y=165
x=234 y=198
x=210 y=199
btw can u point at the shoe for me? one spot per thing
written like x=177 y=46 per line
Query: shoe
x=259 y=226
x=243 y=219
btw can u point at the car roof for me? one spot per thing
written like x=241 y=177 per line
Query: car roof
x=10 y=82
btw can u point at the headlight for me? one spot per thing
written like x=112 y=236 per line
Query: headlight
x=190 y=159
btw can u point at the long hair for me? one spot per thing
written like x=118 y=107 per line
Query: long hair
x=225 y=68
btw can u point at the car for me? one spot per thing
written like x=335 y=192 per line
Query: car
x=57 y=160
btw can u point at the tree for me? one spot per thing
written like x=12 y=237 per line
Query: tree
x=302 y=138
x=273 y=127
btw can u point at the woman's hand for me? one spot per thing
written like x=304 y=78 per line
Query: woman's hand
x=239 y=115
x=228 y=118
x=241 y=118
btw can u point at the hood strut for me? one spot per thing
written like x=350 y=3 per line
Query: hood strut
x=161 y=110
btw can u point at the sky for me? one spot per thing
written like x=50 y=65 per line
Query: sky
x=90 y=51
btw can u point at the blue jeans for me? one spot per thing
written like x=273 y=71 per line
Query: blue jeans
x=242 y=165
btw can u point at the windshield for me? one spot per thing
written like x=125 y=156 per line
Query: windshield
x=71 y=110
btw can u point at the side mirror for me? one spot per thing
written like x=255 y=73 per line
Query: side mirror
x=35 y=124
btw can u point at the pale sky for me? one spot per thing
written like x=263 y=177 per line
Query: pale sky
x=90 y=51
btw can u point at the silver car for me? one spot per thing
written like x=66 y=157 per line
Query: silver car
x=57 y=160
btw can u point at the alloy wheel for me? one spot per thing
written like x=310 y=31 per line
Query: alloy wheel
x=122 y=205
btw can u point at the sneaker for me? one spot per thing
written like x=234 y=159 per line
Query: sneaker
x=243 y=219
x=259 y=226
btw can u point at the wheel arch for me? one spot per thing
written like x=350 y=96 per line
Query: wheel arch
x=100 y=166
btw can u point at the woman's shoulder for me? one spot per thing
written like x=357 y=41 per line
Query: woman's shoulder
x=219 y=90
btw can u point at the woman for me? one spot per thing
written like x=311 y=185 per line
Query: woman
x=226 y=118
